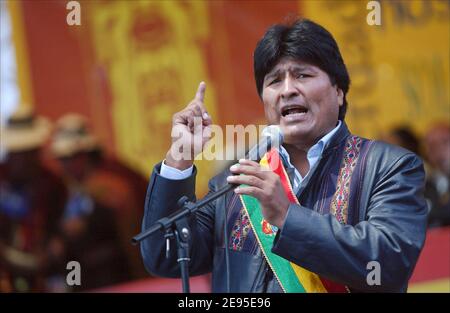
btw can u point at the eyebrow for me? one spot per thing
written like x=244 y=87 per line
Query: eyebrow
x=291 y=68
x=272 y=74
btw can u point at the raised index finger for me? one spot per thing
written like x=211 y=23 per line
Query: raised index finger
x=200 y=95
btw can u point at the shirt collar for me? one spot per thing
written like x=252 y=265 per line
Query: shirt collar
x=316 y=150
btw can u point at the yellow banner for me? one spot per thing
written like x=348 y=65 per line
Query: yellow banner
x=399 y=69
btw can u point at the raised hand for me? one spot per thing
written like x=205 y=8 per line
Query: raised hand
x=191 y=130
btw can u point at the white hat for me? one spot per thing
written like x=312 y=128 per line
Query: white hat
x=71 y=136
x=24 y=131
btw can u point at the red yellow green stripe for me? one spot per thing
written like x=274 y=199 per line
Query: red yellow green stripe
x=292 y=278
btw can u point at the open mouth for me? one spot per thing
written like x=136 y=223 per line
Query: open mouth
x=291 y=110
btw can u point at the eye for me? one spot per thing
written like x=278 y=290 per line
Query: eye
x=274 y=81
x=303 y=75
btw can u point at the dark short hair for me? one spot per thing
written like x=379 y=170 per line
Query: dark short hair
x=304 y=40
x=407 y=138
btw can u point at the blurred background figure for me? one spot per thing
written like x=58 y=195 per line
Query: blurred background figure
x=437 y=150
x=99 y=217
x=31 y=204
x=405 y=137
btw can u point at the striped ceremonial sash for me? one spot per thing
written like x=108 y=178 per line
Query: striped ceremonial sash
x=291 y=277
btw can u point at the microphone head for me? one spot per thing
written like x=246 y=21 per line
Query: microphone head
x=275 y=134
x=271 y=137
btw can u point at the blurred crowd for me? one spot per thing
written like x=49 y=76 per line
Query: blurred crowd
x=88 y=206
x=81 y=207
x=434 y=149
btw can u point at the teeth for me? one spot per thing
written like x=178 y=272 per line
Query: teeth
x=294 y=111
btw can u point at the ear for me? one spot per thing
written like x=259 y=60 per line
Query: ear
x=340 y=96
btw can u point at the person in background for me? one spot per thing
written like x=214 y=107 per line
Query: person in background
x=405 y=137
x=99 y=215
x=31 y=204
x=435 y=152
x=437 y=190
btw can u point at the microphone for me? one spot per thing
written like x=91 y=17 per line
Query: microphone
x=271 y=137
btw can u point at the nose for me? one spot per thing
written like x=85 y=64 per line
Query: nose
x=289 y=90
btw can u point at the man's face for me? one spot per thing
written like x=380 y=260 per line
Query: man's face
x=300 y=98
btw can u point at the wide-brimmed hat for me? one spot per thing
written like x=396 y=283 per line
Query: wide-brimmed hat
x=72 y=136
x=24 y=131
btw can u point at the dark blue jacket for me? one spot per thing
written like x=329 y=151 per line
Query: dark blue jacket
x=385 y=222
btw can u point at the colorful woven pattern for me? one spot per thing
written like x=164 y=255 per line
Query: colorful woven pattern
x=339 y=203
x=240 y=231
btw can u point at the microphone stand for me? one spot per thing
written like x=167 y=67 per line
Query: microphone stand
x=176 y=225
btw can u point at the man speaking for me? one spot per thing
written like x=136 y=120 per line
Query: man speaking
x=314 y=213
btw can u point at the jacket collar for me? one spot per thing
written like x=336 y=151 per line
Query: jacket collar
x=337 y=140
x=334 y=143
